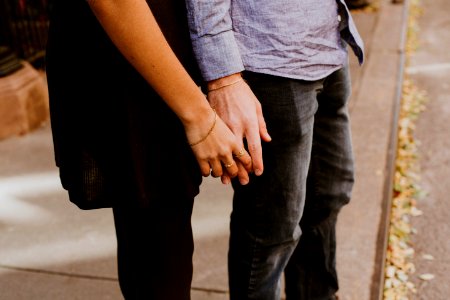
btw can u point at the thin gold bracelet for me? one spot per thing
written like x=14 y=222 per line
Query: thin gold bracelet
x=209 y=132
x=221 y=87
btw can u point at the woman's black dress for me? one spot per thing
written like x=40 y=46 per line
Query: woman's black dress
x=115 y=139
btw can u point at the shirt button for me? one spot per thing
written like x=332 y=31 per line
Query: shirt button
x=339 y=18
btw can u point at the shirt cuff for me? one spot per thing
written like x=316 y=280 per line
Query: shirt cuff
x=218 y=55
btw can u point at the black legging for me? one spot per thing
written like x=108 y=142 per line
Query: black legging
x=155 y=247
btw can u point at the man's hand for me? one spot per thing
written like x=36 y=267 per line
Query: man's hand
x=238 y=107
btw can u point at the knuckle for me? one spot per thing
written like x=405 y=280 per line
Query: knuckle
x=249 y=120
x=233 y=173
x=253 y=147
x=248 y=162
x=210 y=157
x=235 y=126
x=224 y=151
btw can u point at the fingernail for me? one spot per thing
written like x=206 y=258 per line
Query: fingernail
x=243 y=181
x=258 y=172
x=226 y=180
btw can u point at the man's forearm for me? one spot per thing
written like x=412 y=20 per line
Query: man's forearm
x=213 y=40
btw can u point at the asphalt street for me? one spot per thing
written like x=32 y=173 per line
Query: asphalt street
x=429 y=68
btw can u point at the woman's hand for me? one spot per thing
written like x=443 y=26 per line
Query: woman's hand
x=216 y=148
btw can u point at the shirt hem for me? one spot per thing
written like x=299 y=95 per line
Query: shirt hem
x=294 y=76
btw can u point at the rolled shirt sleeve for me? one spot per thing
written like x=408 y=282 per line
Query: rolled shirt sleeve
x=213 y=40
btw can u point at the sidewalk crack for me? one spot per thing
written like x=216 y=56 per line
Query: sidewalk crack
x=58 y=273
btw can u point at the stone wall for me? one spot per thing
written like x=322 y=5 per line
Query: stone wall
x=23 y=101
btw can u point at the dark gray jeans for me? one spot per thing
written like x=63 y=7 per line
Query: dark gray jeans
x=285 y=219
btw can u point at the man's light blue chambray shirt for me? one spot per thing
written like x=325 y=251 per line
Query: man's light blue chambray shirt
x=298 y=39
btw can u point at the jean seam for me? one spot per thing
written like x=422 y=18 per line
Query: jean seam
x=252 y=280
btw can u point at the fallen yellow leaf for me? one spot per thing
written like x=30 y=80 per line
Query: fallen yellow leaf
x=428 y=257
x=426 y=276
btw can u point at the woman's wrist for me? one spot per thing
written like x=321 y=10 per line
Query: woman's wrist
x=207 y=134
x=200 y=125
x=196 y=112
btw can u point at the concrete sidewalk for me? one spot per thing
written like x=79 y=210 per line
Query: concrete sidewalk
x=51 y=250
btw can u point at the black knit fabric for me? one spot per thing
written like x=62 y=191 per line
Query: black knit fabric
x=114 y=137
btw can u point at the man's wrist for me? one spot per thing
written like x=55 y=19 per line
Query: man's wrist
x=224 y=81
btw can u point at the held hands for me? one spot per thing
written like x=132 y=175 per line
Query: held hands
x=216 y=148
x=218 y=144
x=141 y=41
x=236 y=104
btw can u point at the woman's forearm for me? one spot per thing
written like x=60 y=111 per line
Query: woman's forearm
x=133 y=29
